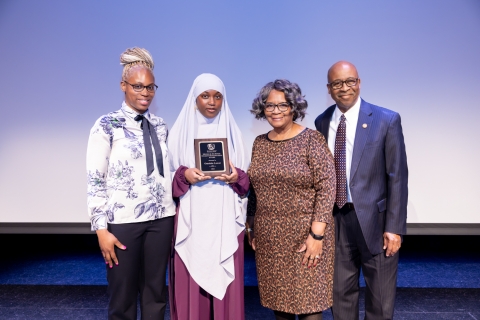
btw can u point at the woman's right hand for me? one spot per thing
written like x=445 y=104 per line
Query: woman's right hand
x=193 y=175
x=107 y=242
x=251 y=233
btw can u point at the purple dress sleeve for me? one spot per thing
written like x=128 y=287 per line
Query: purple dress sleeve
x=243 y=183
x=180 y=185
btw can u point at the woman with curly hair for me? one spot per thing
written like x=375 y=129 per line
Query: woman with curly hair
x=292 y=176
x=130 y=200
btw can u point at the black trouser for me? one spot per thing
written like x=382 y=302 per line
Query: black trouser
x=141 y=269
x=379 y=271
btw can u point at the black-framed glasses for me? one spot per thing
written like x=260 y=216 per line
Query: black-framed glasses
x=281 y=106
x=337 y=84
x=139 y=87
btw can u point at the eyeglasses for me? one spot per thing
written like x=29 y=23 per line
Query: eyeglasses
x=337 y=84
x=139 y=87
x=270 y=107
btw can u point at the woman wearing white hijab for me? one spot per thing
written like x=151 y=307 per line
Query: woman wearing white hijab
x=206 y=271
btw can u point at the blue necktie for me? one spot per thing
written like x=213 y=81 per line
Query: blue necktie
x=149 y=132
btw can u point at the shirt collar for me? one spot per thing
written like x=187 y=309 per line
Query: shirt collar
x=351 y=113
x=129 y=112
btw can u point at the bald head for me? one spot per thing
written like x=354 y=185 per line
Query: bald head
x=339 y=67
x=343 y=84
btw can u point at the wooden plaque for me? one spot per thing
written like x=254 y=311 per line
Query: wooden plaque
x=211 y=156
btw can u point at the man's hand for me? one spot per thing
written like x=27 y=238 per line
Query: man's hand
x=391 y=242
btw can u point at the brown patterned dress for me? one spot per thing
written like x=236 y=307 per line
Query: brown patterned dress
x=293 y=184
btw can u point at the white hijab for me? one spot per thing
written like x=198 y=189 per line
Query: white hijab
x=211 y=214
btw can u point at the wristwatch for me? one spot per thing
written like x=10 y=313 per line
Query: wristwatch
x=314 y=236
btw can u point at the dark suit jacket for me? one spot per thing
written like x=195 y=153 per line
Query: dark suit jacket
x=379 y=173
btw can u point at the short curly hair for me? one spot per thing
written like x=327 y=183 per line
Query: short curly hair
x=293 y=95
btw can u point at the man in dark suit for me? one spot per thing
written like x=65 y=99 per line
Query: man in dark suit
x=371 y=204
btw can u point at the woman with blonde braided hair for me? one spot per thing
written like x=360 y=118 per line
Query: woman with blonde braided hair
x=130 y=194
x=135 y=57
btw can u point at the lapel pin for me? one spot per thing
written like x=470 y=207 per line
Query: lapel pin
x=364 y=125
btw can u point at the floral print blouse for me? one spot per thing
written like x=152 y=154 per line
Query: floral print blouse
x=118 y=188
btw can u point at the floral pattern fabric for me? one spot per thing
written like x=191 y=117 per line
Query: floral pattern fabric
x=118 y=188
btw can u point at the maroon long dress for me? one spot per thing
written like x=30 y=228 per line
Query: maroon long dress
x=188 y=301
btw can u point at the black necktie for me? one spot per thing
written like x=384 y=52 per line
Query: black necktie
x=340 y=156
x=149 y=132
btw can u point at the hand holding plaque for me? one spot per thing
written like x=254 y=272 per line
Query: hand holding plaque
x=211 y=156
x=193 y=176
x=229 y=178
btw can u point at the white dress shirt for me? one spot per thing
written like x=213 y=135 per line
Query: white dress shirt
x=351 y=126
x=119 y=190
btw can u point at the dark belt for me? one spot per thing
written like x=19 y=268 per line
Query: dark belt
x=349 y=206
x=346 y=207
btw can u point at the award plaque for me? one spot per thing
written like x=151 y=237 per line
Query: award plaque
x=211 y=156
